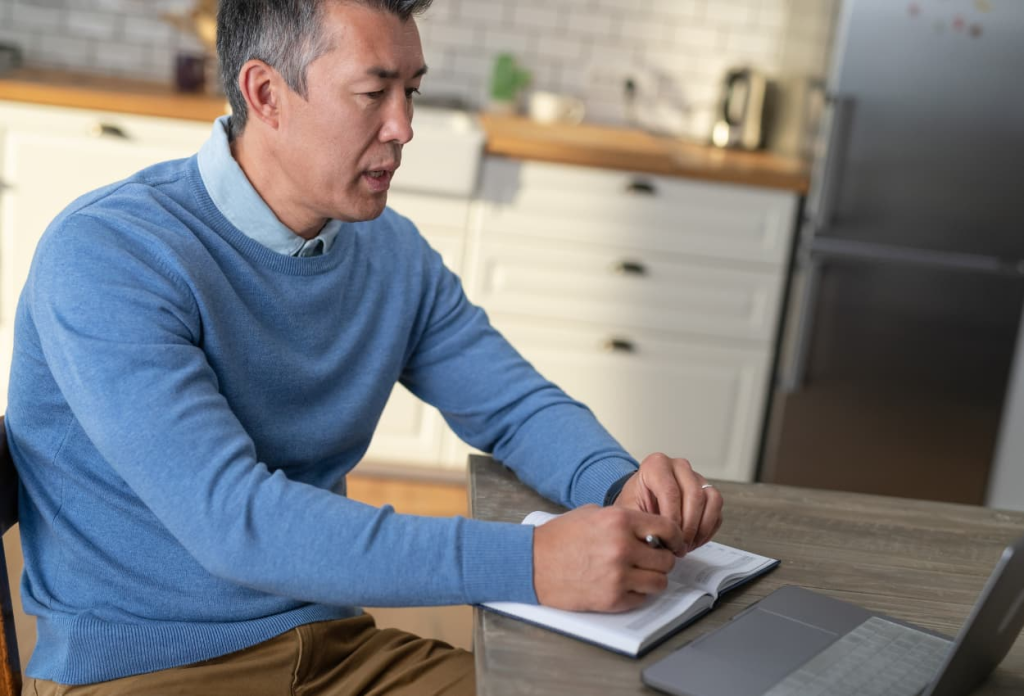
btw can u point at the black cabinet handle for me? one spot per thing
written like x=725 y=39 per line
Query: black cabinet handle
x=641 y=187
x=107 y=130
x=632 y=268
x=620 y=345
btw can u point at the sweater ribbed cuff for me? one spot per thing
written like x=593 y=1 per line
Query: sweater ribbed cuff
x=497 y=562
x=592 y=484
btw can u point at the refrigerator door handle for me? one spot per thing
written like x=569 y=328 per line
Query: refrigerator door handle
x=826 y=173
x=793 y=373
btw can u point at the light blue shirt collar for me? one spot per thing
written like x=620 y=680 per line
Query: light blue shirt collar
x=238 y=201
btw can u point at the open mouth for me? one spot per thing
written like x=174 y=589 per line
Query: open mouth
x=378 y=179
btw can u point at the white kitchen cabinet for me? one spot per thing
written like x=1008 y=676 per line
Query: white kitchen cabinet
x=625 y=286
x=687 y=398
x=698 y=219
x=51 y=155
x=654 y=300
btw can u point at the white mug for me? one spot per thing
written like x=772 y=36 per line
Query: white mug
x=549 y=107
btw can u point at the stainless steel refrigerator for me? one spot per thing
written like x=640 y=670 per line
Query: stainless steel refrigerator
x=907 y=287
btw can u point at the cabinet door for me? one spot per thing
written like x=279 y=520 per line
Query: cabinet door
x=660 y=214
x=702 y=402
x=625 y=287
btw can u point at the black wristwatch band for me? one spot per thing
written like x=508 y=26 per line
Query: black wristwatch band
x=616 y=488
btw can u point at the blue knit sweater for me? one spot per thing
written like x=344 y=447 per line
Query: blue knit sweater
x=184 y=407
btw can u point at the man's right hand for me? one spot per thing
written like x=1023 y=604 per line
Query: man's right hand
x=596 y=559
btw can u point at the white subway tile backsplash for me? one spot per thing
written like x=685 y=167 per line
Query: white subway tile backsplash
x=62 y=50
x=147 y=30
x=92 y=25
x=681 y=8
x=587 y=23
x=697 y=38
x=121 y=56
x=484 y=12
x=35 y=17
x=675 y=50
x=471 y=63
x=515 y=41
x=451 y=34
x=644 y=30
x=629 y=6
x=752 y=45
x=731 y=12
x=565 y=48
x=544 y=17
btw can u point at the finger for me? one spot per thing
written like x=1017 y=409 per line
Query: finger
x=658 y=560
x=694 y=499
x=669 y=533
x=646 y=582
x=711 y=521
x=628 y=602
x=657 y=476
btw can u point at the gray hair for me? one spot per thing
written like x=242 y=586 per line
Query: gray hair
x=287 y=35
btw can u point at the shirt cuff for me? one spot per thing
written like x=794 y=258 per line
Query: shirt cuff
x=613 y=492
x=593 y=483
x=497 y=562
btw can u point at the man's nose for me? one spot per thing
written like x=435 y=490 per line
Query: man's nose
x=397 y=126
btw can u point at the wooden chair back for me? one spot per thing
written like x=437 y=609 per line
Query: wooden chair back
x=10 y=665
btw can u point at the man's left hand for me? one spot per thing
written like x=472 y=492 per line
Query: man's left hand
x=671 y=488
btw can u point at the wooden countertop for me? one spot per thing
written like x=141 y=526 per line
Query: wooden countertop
x=585 y=144
x=636 y=150
x=55 y=88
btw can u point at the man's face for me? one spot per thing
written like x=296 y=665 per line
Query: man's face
x=341 y=145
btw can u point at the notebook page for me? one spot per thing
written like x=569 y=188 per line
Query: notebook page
x=711 y=567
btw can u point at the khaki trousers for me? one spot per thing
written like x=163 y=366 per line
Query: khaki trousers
x=348 y=657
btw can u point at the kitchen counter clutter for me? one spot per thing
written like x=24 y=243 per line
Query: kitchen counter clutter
x=643 y=274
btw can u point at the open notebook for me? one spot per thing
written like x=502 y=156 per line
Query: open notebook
x=694 y=584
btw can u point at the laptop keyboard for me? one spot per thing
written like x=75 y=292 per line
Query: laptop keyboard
x=878 y=658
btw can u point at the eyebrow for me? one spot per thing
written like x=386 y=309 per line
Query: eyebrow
x=385 y=74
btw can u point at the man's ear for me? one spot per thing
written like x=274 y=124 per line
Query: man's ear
x=260 y=85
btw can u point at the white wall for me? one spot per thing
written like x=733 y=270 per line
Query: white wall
x=676 y=50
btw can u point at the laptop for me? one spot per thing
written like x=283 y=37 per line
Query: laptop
x=796 y=642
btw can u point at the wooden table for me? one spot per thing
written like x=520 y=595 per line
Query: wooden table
x=921 y=561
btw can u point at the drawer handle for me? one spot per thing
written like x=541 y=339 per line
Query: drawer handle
x=4 y=186
x=620 y=345
x=107 y=130
x=641 y=187
x=631 y=268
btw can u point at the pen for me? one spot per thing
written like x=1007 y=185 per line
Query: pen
x=654 y=541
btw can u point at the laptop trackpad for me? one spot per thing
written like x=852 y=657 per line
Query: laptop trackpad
x=745 y=657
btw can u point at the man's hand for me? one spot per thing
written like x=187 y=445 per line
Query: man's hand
x=671 y=488
x=596 y=559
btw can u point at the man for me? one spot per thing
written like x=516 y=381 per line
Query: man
x=202 y=353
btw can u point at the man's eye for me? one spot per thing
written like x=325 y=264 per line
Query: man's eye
x=410 y=92
x=375 y=95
